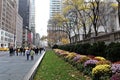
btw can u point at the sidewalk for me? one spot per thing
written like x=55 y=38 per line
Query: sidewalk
x=15 y=67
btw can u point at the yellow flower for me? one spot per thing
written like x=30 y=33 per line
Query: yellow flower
x=101 y=69
x=103 y=62
x=83 y=58
x=99 y=58
x=71 y=55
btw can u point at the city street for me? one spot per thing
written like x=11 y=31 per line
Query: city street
x=15 y=67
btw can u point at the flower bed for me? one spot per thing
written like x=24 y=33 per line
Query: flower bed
x=97 y=67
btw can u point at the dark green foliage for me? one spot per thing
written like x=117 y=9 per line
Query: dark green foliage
x=80 y=67
x=72 y=47
x=97 y=49
x=55 y=46
x=78 y=48
x=84 y=48
x=87 y=71
x=111 y=45
x=113 y=52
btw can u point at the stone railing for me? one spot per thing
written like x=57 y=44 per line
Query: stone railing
x=107 y=38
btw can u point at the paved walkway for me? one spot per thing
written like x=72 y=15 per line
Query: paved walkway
x=15 y=67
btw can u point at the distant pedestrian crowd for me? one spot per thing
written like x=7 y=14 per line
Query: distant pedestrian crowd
x=29 y=52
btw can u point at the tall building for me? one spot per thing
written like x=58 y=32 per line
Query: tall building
x=55 y=37
x=19 y=31
x=17 y=2
x=37 y=42
x=32 y=19
x=55 y=7
x=8 y=12
x=24 y=7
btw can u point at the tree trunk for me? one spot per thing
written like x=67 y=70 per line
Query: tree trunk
x=119 y=12
x=84 y=29
x=69 y=39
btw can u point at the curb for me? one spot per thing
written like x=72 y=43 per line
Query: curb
x=32 y=71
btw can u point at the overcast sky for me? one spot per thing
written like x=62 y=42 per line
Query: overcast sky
x=42 y=16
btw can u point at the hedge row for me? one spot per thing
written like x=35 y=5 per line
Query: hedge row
x=110 y=52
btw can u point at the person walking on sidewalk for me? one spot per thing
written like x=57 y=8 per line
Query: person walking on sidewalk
x=16 y=51
x=32 y=52
x=11 y=50
x=36 y=50
x=27 y=52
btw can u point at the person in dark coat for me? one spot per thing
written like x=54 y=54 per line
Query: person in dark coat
x=16 y=51
x=21 y=51
x=11 y=50
x=40 y=50
x=36 y=51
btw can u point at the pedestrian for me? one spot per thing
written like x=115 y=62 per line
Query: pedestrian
x=27 y=52
x=11 y=50
x=44 y=49
x=16 y=51
x=21 y=51
x=36 y=51
x=40 y=50
x=24 y=51
x=32 y=52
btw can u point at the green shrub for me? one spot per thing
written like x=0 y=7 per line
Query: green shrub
x=78 y=48
x=84 y=48
x=110 y=51
x=97 y=49
x=87 y=71
x=113 y=53
x=55 y=46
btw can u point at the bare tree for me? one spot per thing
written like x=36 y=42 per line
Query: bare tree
x=95 y=5
x=118 y=11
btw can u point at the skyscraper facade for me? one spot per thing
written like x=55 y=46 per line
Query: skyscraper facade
x=23 y=10
x=27 y=12
x=32 y=19
x=8 y=12
x=24 y=7
x=19 y=31
x=55 y=7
